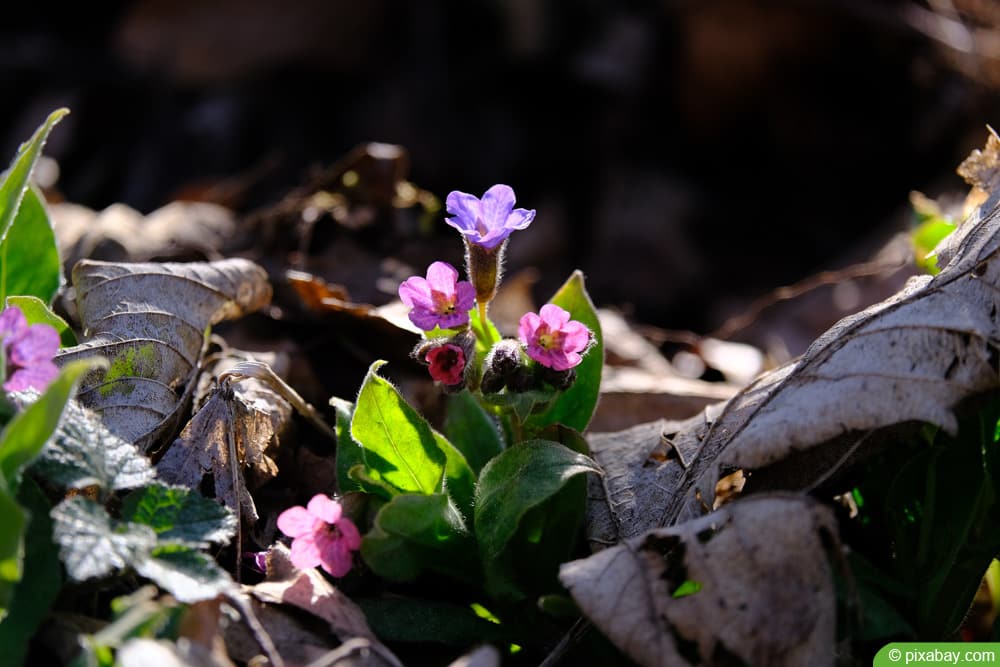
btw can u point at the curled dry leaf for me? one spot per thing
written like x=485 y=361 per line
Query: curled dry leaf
x=232 y=430
x=149 y=320
x=748 y=584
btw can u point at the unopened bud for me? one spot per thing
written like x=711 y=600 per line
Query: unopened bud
x=502 y=367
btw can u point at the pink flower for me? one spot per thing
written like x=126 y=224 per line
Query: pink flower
x=28 y=351
x=323 y=536
x=440 y=299
x=488 y=221
x=552 y=339
x=447 y=363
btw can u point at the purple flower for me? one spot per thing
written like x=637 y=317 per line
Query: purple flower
x=488 y=221
x=440 y=299
x=28 y=351
x=552 y=339
x=322 y=535
x=447 y=363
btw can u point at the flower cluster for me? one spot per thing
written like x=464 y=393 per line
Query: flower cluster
x=28 y=352
x=549 y=338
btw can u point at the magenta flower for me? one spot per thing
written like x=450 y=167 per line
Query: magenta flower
x=440 y=299
x=28 y=351
x=447 y=363
x=322 y=535
x=488 y=221
x=552 y=339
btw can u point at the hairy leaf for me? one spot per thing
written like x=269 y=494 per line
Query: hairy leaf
x=415 y=533
x=83 y=452
x=179 y=514
x=29 y=259
x=150 y=321
x=518 y=480
x=92 y=544
x=396 y=441
x=188 y=574
x=472 y=430
x=15 y=180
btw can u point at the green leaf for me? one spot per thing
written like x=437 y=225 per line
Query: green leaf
x=29 y=430
x=399 y=619
x=42 y=580
x=349 y=453
x=926 y=237
x=188 y=574
x=576 y=405
x=15 y=180
x=460 y=481
x=11 y=546
x=472 y=430
x=416 y=533
x=179 y=514
x=92 y=544
x=83 y=453
x=36 y=312
x=519 y=479
x=29 y=258
x=397 y=442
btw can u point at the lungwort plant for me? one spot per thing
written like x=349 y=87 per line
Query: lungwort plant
x=497 y=500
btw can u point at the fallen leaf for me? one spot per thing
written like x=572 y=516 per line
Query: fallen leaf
x=240 y=419
x=748 y=584
x=309 y=590
x=149 y=320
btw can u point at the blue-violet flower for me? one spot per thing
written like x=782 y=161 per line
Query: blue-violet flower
x=488 y=221
x=440 y=299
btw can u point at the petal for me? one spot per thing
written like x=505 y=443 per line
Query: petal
x=349 y=533
x=543 y=356
x=415 y=292
x=337 y=560
x=519 y=218
x=491 y=239
x=296 y=521
x=576 y=337
x=457 y=319
x=554 y=316
x=527 y=327
x=12 y=322
x=39 y=342
x=466 y=208
x=497 y=205
x=37 y=377
x=305 y=553
x=424 y=319
x=465 y=296
x=325 y=507
x=441 y=276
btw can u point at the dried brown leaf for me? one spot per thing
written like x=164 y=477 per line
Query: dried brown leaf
x=241 y=418
x=763 y=587
x=149 y=320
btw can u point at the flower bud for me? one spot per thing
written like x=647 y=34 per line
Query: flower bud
x=561 y=380
x=502 y=365
x=449 y=360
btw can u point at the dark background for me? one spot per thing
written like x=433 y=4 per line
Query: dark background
x=689 y=156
